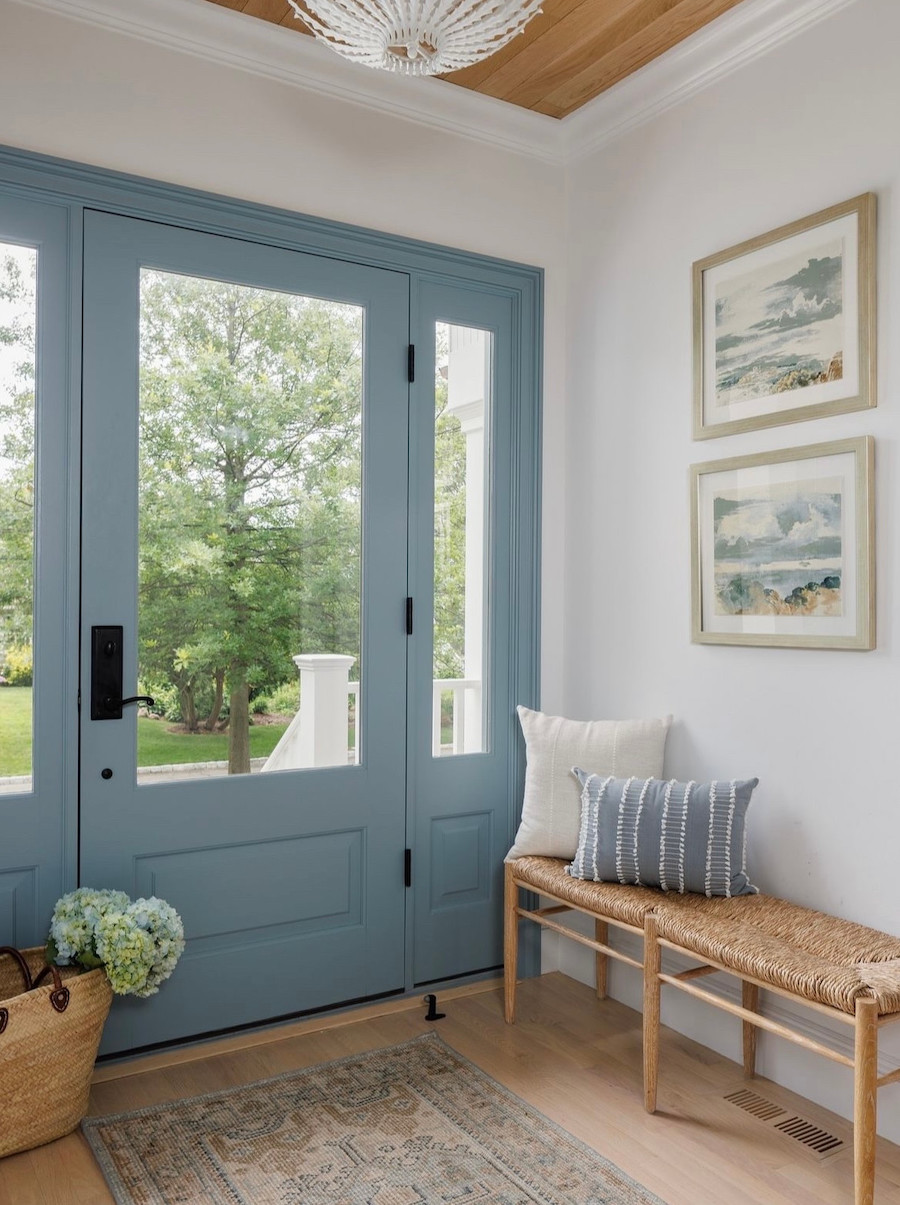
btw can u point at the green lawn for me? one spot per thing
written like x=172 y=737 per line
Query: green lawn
x=157 y=746
x=15 y=730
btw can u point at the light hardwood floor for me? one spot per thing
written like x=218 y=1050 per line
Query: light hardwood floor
x=575 y=1058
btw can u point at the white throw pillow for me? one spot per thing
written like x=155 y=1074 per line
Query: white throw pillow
x=551 y=811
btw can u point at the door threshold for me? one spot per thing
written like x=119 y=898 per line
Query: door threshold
x=266 y=1034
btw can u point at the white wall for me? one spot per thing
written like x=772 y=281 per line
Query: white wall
x=812 y=123
x=98 y=97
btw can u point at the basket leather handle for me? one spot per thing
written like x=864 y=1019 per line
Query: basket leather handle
x=59 y=996
x=23 y=965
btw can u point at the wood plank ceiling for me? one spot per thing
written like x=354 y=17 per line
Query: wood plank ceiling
x=570 y=53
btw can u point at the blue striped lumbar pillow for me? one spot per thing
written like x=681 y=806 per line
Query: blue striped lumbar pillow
x=680 y=836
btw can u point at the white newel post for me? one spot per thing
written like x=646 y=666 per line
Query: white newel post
x=468 y=385
x=317 y=736
x=323 y=708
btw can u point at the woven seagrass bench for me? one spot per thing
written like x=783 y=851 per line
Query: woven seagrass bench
x=845 y=971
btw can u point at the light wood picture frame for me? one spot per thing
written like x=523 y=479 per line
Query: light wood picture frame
x=782 y=547
x=784 y=324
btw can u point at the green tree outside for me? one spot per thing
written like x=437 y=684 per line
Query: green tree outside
x=249 y=491
x=250 y=494
x=17 y=370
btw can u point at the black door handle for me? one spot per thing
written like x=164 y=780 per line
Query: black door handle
x=106 y=674
x=112 y=704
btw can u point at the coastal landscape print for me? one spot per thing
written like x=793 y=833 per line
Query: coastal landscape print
x=781 y=327
x=779 y=549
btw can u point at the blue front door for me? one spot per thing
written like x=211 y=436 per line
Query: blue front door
x=245 y=525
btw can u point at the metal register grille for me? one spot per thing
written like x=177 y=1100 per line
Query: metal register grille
x=815 y=1139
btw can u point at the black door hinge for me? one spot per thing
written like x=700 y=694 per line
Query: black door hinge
x=409 y=617
x=407 y=867
x=411 y=363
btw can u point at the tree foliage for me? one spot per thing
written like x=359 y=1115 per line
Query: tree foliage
x=249 y=491
x=449 y=530
x=17 y=367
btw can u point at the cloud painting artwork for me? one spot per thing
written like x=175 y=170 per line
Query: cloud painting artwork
x=781 y=327
x=779 y=549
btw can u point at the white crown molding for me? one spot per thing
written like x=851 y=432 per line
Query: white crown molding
x=719 y=49
x=222 y=35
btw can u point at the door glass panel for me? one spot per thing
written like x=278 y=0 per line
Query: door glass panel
x=250 y=529
x=18 y=319
x=463 y=376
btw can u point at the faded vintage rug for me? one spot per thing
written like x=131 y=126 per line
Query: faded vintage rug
x=415 y=1124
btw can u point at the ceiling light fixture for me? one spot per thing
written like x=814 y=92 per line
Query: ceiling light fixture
x=416 y=37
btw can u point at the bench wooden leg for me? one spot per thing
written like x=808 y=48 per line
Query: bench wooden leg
x=865 y=1090
x=601 y=934
x=750 y=1001
x=510 y=943
x=652 y=985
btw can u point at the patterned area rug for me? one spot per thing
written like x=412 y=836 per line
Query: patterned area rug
x=415 y=1124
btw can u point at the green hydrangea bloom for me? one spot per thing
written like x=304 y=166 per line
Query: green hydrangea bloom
x=137 y=943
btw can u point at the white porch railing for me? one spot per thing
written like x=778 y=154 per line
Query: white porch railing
x=465 y=713
x=318 y=734
x=353 y=692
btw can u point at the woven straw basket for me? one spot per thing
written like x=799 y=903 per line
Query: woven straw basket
x=48 y=1043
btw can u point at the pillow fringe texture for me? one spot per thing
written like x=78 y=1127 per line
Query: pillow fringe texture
x=689 y=837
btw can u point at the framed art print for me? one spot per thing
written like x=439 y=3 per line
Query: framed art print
x=783 y=547
x=784 y=324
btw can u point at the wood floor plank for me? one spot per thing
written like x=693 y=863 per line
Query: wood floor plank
x=574 y=1057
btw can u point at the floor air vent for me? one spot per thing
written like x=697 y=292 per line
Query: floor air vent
x=820 y=1142
x=810 y=1135
x=764 y=1109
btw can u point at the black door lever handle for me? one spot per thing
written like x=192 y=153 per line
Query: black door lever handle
x=116 y=704
x=107 y=673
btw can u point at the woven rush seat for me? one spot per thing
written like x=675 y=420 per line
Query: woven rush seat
x=812 y=955
x=614 y=900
